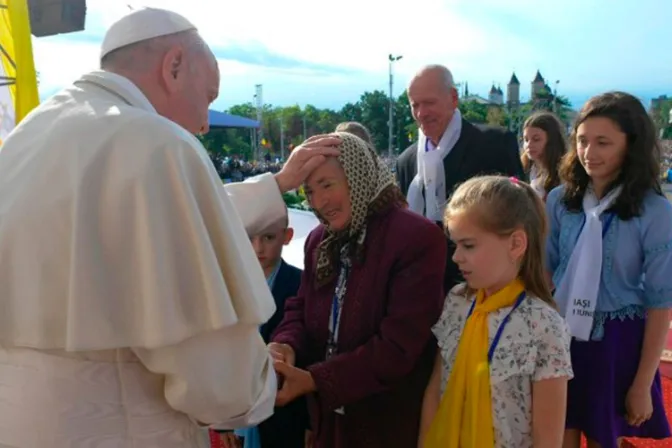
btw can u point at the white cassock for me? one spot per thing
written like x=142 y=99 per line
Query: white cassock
x=130 y=297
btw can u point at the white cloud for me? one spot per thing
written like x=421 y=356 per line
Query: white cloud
x=353 y=33
x=60 y=62
x=482 y=42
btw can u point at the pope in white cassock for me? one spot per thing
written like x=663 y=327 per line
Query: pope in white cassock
x=130 y=297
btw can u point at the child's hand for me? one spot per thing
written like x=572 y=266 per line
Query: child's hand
x=638 y=405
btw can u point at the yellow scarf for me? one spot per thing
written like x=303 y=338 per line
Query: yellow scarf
x=464 y=417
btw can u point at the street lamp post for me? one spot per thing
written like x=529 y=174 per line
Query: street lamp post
x=258 y=96
x=282 y=138
x=555 y=98
x=390 y=125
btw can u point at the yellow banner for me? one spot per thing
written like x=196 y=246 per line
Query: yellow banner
x=18 y=80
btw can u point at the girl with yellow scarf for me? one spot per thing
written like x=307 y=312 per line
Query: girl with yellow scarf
x=501 y=371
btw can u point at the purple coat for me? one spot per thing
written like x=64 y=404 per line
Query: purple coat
x=386 y=348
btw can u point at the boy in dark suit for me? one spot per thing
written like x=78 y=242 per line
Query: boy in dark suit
x=283 y=279
x=288 y=425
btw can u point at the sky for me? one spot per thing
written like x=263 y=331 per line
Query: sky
x=328 y=54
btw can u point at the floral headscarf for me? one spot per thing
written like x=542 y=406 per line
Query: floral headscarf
x=373 y=188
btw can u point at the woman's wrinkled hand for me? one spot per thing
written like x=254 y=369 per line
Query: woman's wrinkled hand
x=282 y=352
x=296 y=383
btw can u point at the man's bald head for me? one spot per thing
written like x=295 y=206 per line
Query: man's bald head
x=438 y=74
x=433 y=98
x=177 y=72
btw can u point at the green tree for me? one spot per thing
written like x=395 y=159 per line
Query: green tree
x=312 y=117
x=660 y=115
x=545 y=100
x=328 y=120
x=515 y=118
x=405 y=126
x=352 y=112
x=474 y=112
x=292 y=122
x=247 y=110
x=237 y=141
x=496 y=116
x=375 y=109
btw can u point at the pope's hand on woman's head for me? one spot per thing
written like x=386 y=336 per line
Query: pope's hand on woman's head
x=305 y=158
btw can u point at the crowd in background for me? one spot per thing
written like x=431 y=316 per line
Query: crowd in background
x=235 y=169
x=666 y=160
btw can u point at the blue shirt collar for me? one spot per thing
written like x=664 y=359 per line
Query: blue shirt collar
x=270 y=280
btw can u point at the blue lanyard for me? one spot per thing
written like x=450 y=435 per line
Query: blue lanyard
x=335 y=315
x=607 y=223
x=506 y=320
x=337 y=305
x=605 y=226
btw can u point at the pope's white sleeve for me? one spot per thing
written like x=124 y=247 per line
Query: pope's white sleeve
x=223 y=378
x=258 y=202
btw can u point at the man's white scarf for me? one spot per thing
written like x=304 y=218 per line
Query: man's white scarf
x=581 y=283
x=431 y=174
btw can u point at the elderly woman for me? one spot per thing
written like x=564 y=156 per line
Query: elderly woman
x=371 y=290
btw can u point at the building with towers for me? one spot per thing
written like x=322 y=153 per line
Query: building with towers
x=496 y=95
x=538 y=87
x=517 y=109
x=513 y=92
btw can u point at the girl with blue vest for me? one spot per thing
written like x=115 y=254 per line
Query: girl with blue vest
x=610 y=256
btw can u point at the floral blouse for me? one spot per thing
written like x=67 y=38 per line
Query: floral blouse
x=534 y=346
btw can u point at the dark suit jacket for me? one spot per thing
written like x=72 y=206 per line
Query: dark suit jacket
x=385 y=345
x=287 y=282
x=479 y=150
x=287 y=427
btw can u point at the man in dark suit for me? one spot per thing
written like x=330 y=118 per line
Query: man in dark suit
x=449 y=151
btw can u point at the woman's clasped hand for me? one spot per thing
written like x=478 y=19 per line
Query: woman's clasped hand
x=292 y=381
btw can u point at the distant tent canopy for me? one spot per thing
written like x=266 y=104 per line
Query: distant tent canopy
x=222 y=120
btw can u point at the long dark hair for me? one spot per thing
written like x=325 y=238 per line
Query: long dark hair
x=640 y=170
x=555 y=149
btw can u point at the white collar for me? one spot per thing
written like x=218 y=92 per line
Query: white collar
x=120 y=86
